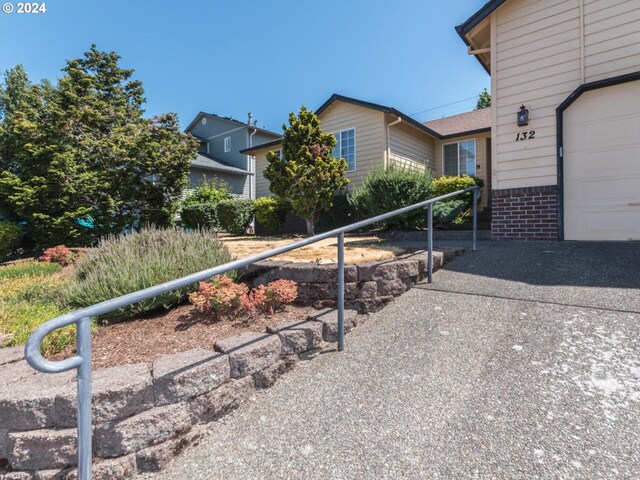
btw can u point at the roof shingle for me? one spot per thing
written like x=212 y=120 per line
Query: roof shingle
x=462 y=123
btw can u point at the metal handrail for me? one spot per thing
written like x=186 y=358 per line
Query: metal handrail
x=82 y=317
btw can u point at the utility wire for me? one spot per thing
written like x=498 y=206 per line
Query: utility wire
x=445 y=105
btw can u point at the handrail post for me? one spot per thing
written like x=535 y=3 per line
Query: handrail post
x=341 y=291
x=430 y=243
x=475 y=217
x=85 y=451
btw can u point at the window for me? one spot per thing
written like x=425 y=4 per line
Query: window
x=203 y=147
x=227 y=144
x=459 y=158
x=346 y=147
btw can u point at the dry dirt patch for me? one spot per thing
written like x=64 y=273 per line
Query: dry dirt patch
x=357 y=249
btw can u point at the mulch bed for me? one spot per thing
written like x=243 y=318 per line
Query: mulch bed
x=182 y=328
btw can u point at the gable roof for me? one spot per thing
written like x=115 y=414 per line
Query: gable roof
x=230 y=120
x=473 y=21
x=477 y=17
x=208 y=162
x=375 y=106
x=361 y=103
x=463 y=124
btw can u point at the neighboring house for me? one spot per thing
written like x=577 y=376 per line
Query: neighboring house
x=371 y=135
x=571 y=170
x=221 y=138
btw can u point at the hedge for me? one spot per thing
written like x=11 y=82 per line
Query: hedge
x=235 y=215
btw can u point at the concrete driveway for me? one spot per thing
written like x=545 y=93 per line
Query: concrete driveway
x=522 y=360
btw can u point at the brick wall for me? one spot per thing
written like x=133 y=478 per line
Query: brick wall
x=529 y=213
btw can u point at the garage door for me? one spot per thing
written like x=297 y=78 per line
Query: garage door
x=602 y=165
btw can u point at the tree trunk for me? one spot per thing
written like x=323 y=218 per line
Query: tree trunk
x=310 y=225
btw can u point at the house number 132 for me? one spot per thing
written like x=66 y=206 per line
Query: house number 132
x=525 y=135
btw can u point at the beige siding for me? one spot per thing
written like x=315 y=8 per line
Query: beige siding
x=370 y=136
x=611 y=38
x=410 y=147
x=537 y=63
x=543 y=51
x=483 y=167
x=370 y=141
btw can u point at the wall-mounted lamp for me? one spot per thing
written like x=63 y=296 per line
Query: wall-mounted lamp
x=523 y=116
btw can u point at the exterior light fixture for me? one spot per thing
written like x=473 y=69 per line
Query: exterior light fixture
x=523 y=116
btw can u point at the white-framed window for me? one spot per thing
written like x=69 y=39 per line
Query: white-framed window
x=227 y=144
x=346 y=147
x=459 y=158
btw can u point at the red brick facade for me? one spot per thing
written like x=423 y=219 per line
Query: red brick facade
x=529 y=213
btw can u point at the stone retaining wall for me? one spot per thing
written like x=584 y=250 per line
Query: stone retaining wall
x=143 y=416
x=368 y=286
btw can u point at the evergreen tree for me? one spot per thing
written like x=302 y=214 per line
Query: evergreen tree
x=82 y=160
x=484 y=100
x=306 y=174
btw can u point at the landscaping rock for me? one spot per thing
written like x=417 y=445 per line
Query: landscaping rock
x=267 y=377
x=122 y=468
x=213 y=405
x=307 y=273
x=407 y=268
x=42 y=449
x=313 y=292
x=118 y=393
x=29 y=403
x=368 y=290
x=369 y=271
x=250 y=352
x=157 y=457
x=391 y=287
x=329 y=320
x=54 y=474
x=4 y=445
x=11 y=354
x=148 y=428
x=15 y=476
x=298 y=337
x=187 y=374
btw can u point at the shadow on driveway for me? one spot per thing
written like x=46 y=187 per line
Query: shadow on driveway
x=591 y=274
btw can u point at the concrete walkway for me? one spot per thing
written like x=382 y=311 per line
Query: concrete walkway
x=521 y=361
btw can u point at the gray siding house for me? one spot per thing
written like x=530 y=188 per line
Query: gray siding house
x=221 y=139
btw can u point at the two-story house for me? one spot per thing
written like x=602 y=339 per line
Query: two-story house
x=565 y=88
x=221 y=139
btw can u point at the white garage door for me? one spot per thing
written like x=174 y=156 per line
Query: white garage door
x=602 y=165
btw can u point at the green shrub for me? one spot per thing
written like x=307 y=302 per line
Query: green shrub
x=386 y=190
x=270 y=213
x=235 y=215
x=200 y=216
x=10 y=236
x=126 y=263
x=341 y=213
x=447 y=211
x=209 y=191
x=199 y=207
x=444 y=185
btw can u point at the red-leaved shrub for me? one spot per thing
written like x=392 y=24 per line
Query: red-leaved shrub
x=58 y=254
x=225 y=298
x=222 y=297
x=275 y=296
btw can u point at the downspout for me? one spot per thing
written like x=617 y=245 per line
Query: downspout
x=387 y=156
x=253 y=177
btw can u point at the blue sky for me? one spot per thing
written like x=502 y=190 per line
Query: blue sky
x=267 y=57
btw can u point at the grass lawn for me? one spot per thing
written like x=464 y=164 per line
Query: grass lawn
x=29 y=296
x=357 y=249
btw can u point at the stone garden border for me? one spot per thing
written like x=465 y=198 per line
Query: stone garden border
x=143 y=417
